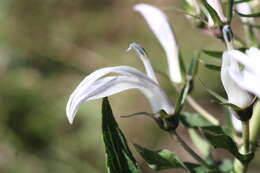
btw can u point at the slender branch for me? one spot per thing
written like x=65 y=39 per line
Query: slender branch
x=190 y=151
x=202 y=111
x=246 y=136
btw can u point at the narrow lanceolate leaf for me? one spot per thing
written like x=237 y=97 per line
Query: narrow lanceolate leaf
x=212 y=12
x=193 y=68
x=119 y=157
x=181 y=98
x=229 y=10
x=241 y=1
x=249 y=15
x=213 y=53
x=192 y=120
x=219 y=139
x=210 y=66
x=165 y=159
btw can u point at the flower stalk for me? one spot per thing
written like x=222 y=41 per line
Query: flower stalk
x=190 y=150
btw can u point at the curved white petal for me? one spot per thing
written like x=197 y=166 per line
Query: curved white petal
x=245 y=8
x=247 y=80
x=97 y=86
x=143 y=56
x=236 y=95
x=251 y=60
x=215 y=4
x=236 y=123
x=159 y=24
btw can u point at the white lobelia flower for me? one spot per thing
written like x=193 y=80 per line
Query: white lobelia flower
x=236 y=95
x=159 y=24
x=215 y=4
x=249 y=77
x=245 y=8
x=98 y=85
x=236 y=123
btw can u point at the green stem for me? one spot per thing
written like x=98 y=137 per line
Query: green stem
x=255 y=126
x=246 y=136
x=190 y=151
x=202 y=111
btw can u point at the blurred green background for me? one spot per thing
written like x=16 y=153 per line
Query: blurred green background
x=47 y=47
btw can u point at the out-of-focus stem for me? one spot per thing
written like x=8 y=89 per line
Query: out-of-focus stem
x=202 y=111
x=190 y=151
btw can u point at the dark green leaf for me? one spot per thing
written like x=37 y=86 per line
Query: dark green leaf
x=212 y=13
x=193 y=68
x=165 y=159
x=249 y=15
x=219 y=139
x=181 y=98
x=241 y=1
x=211 y=66
x=192 y=120
x=119 y=157
x=213 y=53
x=229 y=10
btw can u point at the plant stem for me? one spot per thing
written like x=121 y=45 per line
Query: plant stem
x=202 y=111
x=255 y=126
x=190 y=151
x=246 y=136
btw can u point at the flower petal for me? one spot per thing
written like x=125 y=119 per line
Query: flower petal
x=94 y=87
x=143 y=55
x=245 y=8
x=159 y=24
x=247 y=81
x=236 y=123
x=236 y=95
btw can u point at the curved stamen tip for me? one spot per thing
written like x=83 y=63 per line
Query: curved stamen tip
x=138 y=49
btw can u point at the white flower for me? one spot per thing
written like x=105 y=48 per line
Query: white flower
x=98 y=85
x=236 y=94
x=236 y=123
x=215 y=4
x=159 y=24
x=249 y=77
x=245 y=8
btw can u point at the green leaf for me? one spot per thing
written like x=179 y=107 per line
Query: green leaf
x=187 y=7
x=213 y=53
x=229 y=10
x=211 y=66
x=214 y=94
x=241 y=1
x=181 y=98
x=249 y=15
x=192 y=120
x=219 y=139
x=201 y=144
x=165 y=159
x=212 y=13
x=118 y=156
x=193 y=68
